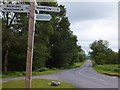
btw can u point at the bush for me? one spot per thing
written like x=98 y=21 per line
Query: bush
x=43 y=69
x=53 y=68
x=113 y=68
x=93 y=62
x=23 y=73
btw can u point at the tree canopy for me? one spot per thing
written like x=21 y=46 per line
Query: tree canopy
x=102 y=54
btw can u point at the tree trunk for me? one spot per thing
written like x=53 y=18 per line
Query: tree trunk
x=6 y=59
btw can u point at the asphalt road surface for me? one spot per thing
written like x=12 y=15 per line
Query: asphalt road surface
x=83 y=77
x=86 y=77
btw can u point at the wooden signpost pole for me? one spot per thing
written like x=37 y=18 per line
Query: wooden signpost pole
x=30 y=45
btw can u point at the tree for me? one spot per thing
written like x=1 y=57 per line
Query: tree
x=7 y=37
x=102 y=54
x=14 y=28
x=64 y=50
x=41 y=46
x=112 y=57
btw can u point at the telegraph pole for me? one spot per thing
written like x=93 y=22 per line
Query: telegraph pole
x=30 y=44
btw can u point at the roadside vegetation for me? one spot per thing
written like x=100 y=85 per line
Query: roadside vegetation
x=41 y=71
x=104 y=59
x=78 y=64
x=36 y=83
x=34 y=73
x=111 y=69
x=0 y=86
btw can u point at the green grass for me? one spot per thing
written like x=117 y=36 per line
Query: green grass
x=38 y=73
x=36 y=83
x=78 y=64
x=0 y=75
x=45 y=72
x=34 y=73
x=0 y=86
x=110 y=69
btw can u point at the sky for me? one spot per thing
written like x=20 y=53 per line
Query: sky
x=92 y=21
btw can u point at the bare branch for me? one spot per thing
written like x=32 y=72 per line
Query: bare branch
x=12 y=19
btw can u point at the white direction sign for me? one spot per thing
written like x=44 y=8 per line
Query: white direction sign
x=0 y=7
x=15 y=8
x=43 y=17
x=25 y=8
x=47 y=8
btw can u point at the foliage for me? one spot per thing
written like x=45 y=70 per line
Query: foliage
x=93 y=63
x=109 y=69
x=78 y=64
x=34 y=73
x=102 y=54
x=43 y=69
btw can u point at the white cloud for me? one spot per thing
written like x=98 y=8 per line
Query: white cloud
x=94 y=21
x=89 y=31
x=81 y=11
x=87 y=1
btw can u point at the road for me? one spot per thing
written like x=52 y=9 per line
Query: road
x=83 y=77
x=86 y=77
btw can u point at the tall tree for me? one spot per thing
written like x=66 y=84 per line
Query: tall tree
x=102 y=54
x=64 y=50
x=12 y=33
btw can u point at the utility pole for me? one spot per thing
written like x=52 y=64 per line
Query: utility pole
x=30 y=44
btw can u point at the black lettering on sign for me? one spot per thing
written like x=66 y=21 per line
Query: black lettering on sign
x=18 y=6
x=8 y=6
x=12 y=9
x=48 y=8
x=4 y=9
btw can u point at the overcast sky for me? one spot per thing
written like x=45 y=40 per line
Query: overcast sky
x=92 y=21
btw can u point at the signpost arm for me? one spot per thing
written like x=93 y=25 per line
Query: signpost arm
x=30 y=45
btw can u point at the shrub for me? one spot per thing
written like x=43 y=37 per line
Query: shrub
x=93 y=62
x=53 y=68
x=43 y=69
x=23 y=73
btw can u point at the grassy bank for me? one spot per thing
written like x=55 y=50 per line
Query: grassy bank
x=77 y=64
x=39 y=72
x=34 y=73
x=110 y=69
x=36 y=83
x=0 y=86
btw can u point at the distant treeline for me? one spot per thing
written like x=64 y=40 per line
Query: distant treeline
x=102 y=54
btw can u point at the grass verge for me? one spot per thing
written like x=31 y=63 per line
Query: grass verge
x=36 y=83
x=78 y=64
x=38 y=73
x=110 y=69
x=21 y=74
x=0 y=86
